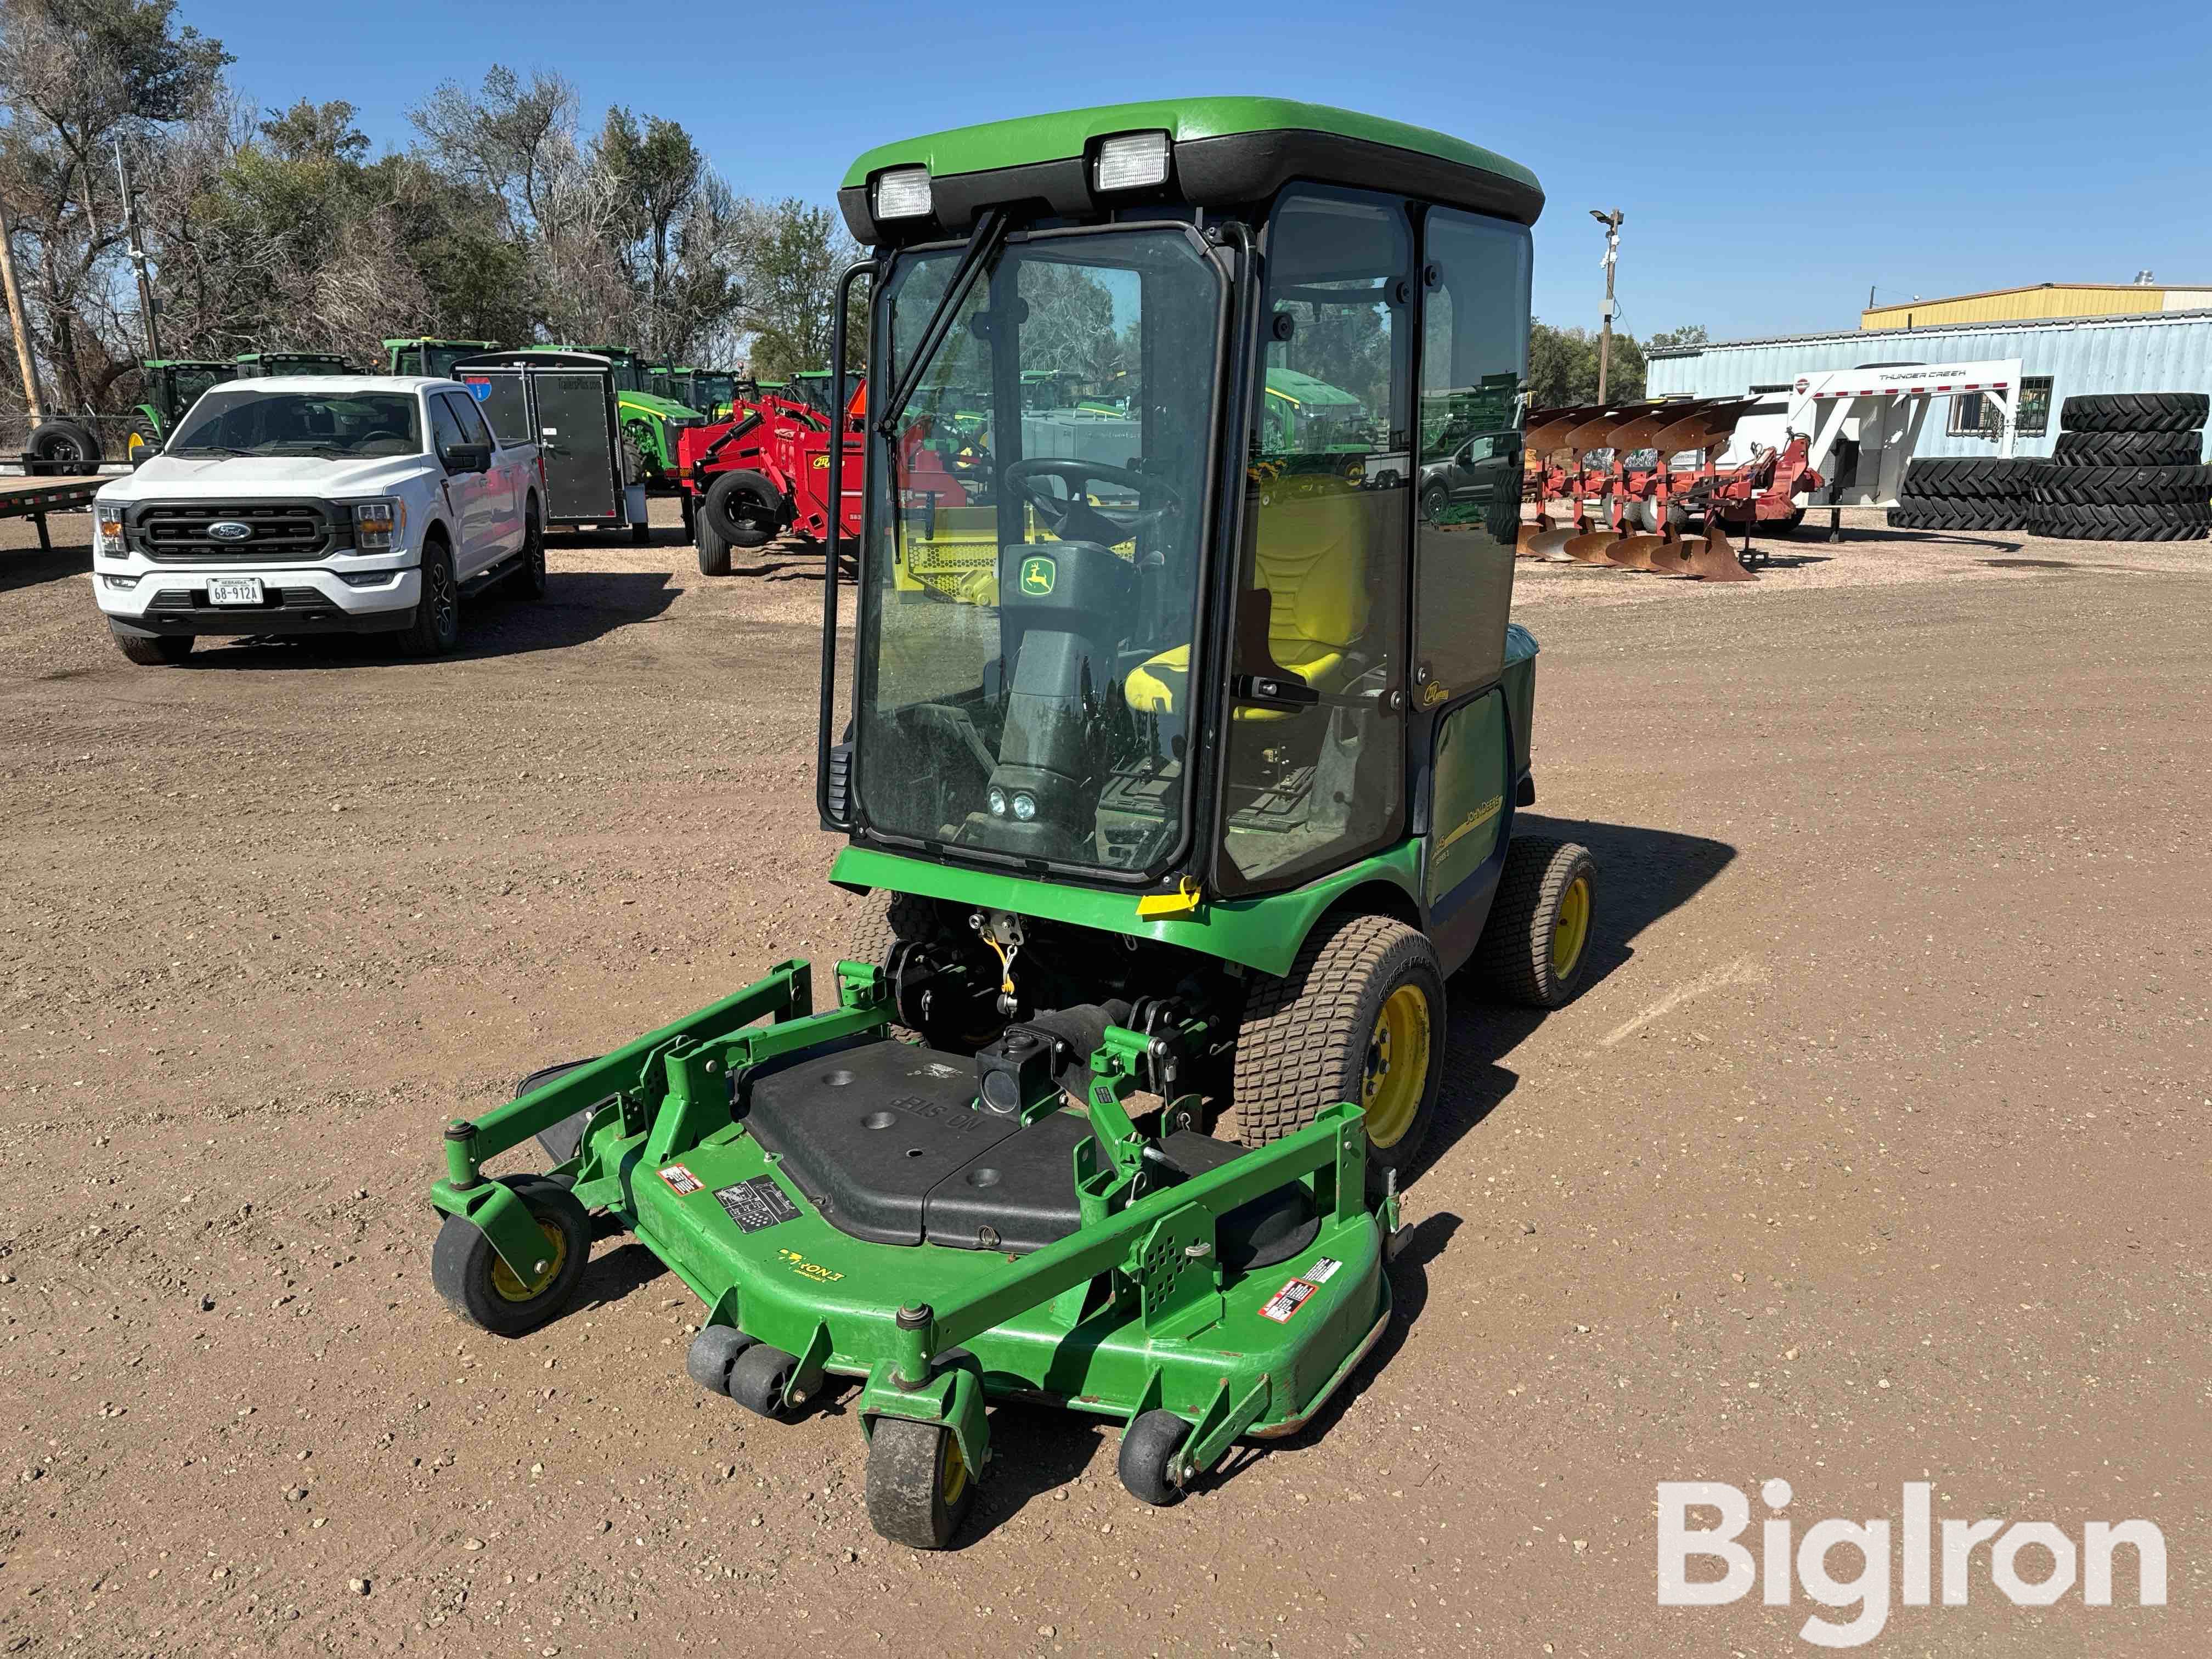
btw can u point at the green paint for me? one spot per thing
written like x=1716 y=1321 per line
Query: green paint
x=1261 y=932
x=1068 y=133
x=1471 y=787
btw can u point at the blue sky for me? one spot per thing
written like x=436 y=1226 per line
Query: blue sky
x=1773 y=160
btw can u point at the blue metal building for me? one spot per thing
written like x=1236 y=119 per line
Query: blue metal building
x=2158 y=351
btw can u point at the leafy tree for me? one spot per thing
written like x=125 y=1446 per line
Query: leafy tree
x=795 y=254
x=1563 y=367
x=1689 y=334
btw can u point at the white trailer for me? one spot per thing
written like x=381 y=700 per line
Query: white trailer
x=1865 y=423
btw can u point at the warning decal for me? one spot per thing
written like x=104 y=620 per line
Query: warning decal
x=1287 y=1301
x=682 y=1182
x=756 y=1203
x=1323 y=1269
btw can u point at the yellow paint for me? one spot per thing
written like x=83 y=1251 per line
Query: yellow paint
x=805 y=1269
x=1186 y=899
x=1397 y=1066
x=2045 y=300
x=1473 y=821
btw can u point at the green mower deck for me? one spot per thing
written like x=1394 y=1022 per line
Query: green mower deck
x=1158 y=1308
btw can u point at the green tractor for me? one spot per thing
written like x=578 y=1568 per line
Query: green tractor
x=702 y=389
x=650 y=420
x=1177 y=821
x=434 y=358
x=171 y=386
x=252 y=365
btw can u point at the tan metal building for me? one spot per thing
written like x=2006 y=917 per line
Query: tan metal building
x=2005 y=305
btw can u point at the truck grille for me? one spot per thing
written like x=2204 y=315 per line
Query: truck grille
x=280 y=598
x=176 y=532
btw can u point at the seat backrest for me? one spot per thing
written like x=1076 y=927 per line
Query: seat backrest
x=1311 y=554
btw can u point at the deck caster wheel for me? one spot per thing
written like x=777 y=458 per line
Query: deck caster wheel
x=920 y=1486
x=758 y=1377
x=713 y=1352
x=1149 y=1447
x=488 y=1294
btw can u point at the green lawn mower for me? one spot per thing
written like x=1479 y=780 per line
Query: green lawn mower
x=1182 y=807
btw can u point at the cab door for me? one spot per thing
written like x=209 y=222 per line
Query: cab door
x=503 y=483
x=468 y=495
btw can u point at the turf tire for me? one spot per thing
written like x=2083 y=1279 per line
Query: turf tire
x=919 y=1488
x=1305 y=1037
x=1514 y=957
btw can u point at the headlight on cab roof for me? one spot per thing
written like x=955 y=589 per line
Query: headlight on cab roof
x=903 y=193
x=1133 y=160
x=378 y=525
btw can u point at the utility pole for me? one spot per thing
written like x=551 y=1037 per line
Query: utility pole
x=1612 y=223
x=23 y=358
x=137 y=256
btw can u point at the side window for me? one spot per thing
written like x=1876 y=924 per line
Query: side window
x=1316 y=754
x=445 y=430
x=1475 y=358
x=473 y=429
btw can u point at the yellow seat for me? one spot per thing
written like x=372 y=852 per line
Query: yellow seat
x=1311 y=557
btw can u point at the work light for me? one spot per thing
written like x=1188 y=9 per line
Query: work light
x=903 y=193
x=1133 y=160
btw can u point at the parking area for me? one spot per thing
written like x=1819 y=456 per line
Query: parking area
x=1876 y=1151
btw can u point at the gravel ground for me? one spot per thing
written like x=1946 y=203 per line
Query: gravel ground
x=1876 y=1151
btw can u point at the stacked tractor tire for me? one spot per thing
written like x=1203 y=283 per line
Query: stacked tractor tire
x=2127 y=467
x=1966 y=495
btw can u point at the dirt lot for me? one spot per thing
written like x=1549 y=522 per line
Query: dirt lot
x=1877 y=1150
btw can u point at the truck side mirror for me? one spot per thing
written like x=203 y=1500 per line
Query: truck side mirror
x=467 y=457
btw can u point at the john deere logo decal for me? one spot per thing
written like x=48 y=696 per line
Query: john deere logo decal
x=1037 y=576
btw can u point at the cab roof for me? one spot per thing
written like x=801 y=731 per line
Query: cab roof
x=1226 y=151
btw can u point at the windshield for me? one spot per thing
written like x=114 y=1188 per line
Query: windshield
x=439 y=360
x=1031 y=591
x=336 y=424
x=192 y=382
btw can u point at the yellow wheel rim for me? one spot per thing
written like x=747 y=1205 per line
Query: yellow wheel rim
x=1397 y=1066
x=1571 y=931
x=510 y=1288
x=132 y=445
x=952 y=1472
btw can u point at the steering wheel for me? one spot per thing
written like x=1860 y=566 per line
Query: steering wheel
x=1072 y=518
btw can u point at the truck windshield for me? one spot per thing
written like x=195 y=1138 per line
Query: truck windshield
x=336 y=424
x=1030 y=592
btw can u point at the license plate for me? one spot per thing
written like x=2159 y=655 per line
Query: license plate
x=235 y=590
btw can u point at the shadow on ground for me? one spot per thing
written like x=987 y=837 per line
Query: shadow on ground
x=579 y=606
x=27 y=566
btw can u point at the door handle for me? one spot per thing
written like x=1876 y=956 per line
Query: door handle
x=1276 y=693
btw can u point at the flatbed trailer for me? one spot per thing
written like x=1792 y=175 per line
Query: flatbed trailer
x=33 y=498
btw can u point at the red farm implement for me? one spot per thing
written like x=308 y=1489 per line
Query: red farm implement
x=1607 y=490
x=765 y=472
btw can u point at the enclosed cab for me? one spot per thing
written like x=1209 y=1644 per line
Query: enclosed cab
x=172 y=386
x=423 y=355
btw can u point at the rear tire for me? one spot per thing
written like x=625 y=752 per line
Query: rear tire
x=143 y=443
x=1359 y=1016
x=1536 y=942
x=480 y=1287
x=154 y=651
x=530 y=578
x=920 y=1486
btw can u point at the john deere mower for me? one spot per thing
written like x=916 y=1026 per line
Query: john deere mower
x=1175 y=828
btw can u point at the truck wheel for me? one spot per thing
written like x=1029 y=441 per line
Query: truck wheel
x=437 y=625
x=920 y=1486
x=744 y=509
x=154 y=651
x=63 y=443
x=488 y=1294
x=1537 y=939
x=1360 y=1017
x=529 y=577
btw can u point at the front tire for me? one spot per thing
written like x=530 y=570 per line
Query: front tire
x=1536 y=941
x=436 y=628
x=484 y=1291
x=1359 y=1016
x=154 y=651
x=920 y=1486
x=1149 y=1447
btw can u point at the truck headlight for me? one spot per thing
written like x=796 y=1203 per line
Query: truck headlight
x=378 y=525
x=108 y=534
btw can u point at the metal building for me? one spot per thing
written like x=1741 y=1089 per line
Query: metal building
x=1998 y=305
x=2168 y=351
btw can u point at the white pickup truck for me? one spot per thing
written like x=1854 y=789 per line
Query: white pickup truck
x=314 y=505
